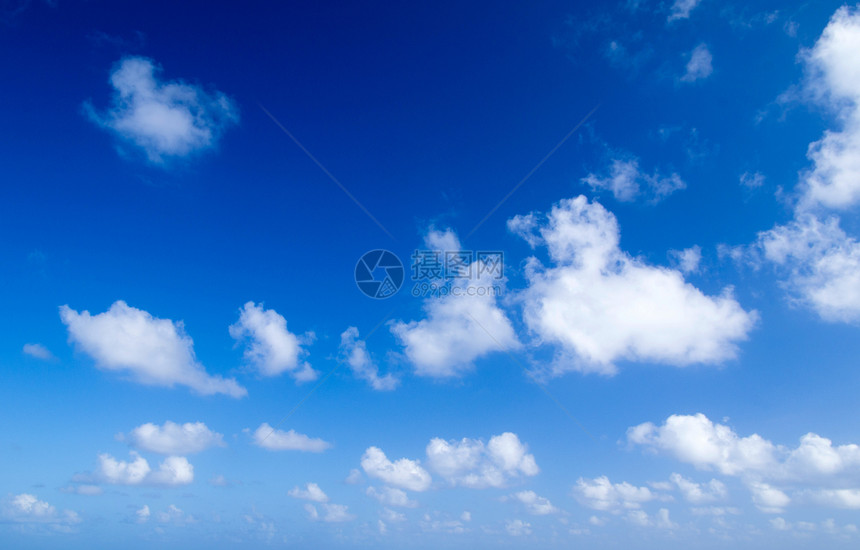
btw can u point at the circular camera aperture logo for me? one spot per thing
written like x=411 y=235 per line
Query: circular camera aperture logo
x=379 y=274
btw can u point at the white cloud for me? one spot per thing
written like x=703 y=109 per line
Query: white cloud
x=271 y=348
x=461 y=325
x=143 y=514
x=278 y=440
x=471 y=463
x=822 y=262
x=354 y=352
x=38 y=351
x=311 y=491
x=175 y=515
x=535 y=504
x=153 y=351
x=602 y=494
x=699 y=493
x=837 y=498
x=698 y=441
x=173 y=470
x=834 y=80
x=27 y=508
x=694 y=439
x=391 y=497
x=688 y=260
x=518 y=528
x=174 y=439
x=403 y=473
x=337 y=513
x=681 y=9
x=625 y=181
x=699 y=65
x=601 y=305
x=752 y=180
x=768 y=499
x=166 y=119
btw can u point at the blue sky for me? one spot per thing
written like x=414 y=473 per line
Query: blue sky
x=667 y=358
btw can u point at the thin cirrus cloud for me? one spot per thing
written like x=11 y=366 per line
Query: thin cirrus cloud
x=699 y=65
x=165 y=119
x=174 y=439
x=627 y=182
x=460 y=326
x=38 y=351
x=270 y=348
x=600 y=305
x=150 y=350
x=273 y=439
x=353 y=351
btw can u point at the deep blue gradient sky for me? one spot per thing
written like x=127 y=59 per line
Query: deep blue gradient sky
x=610 y=395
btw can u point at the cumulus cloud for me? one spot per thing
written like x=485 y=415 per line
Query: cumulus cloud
x=699 y=66
x=165 y=119
x=334 y=513
x=761 y=464
x=699 y=493
x=390 y=496
x=752 y=180
x=142 y=514
x=627 y=182
x=311 y=491
x=354 y=353
x=174 y=439
x=278 y=440
x=152 y=351
x=38 y=351
x=518 y=528
x=173 y=470
x=681 y=9
x=461 y=325
x=768 y=499
x=601 y=305
x=602 y=494
x=535 y=504
x=270 y=348
x=471 y=463
x=27 y=508
x=834 y=79
x=404 y=473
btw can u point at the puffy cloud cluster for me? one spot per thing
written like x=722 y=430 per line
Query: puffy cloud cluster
x=152 y=351
x=461 y=325
x=173 y=470
x=602 y=494
x=472 y=463
x=27 y=508
x=535 y=504
x=601 y=305
x=174 y=439
x=761 y=464
x=166 y=119
x=270 y=348
x=403 y=473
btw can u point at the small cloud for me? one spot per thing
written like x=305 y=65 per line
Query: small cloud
x=700 y=64
x=38 y=351
x=278 y=440
x=166 y=119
